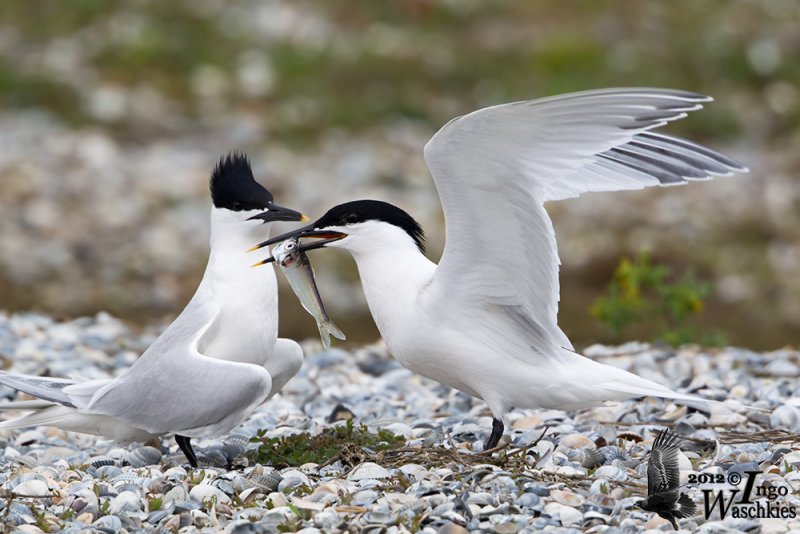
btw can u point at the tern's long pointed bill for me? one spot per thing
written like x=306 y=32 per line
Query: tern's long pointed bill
x=306 y=231
x=279 y=213
x=325 y=237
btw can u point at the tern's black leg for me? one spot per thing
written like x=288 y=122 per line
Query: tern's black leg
x=186 y=446
x=494 y=437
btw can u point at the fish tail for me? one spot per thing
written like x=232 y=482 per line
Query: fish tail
x=328 y=329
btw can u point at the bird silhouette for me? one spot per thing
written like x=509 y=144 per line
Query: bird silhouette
x=664 y=496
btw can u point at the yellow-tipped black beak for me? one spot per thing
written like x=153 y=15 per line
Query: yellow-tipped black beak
x=279 y=213
x=326 y=236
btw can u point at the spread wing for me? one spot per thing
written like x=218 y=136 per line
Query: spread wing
x=663 y=474
x=495 y=168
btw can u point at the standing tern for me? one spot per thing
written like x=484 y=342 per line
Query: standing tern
x=213 y=365
x=484 y=320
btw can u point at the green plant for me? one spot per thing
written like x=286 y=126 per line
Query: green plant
x=643 y=292
x=303 y=448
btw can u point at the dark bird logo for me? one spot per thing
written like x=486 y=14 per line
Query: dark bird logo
x=664 y=496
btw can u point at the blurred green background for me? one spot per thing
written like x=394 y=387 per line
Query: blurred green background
x=113 y=114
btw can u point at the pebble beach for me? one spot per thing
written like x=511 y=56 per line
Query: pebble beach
x=561 y=471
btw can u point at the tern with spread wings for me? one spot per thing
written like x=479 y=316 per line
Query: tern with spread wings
x=484 y=320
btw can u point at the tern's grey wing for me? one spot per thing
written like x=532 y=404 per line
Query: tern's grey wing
x=663 y=473
x=174 y=388
x=495 y=168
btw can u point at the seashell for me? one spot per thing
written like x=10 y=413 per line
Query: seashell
x=32 y=488
x=576 y=441
x=86 y=518
x=18 y=514
x=539 y=489
x=630 y=436
x=100 y=461
x=612 y=452
x=412 y=469
x=294 y=480
x=368 y=470
x=266 y=482
x=598 y=516
x=726 y=419
x=567 y=498
x=567 y=515
x=587 y=457
x=178 y=494
x=156 y=517
x=242 y=440
x=144 y=456
x=28 y=437
x=365 y=497
x=224 y=485
x=107 y=472
x=784 y=416
x=125 y=502
x=212 y=458
x=482 y=498
x=200 y=519
x=529 y=500
x=599 y=502
x=204 y=492
x=309 y=468
x=610 y=472
x=187 y=506
x=108 y=522
x=156 y=485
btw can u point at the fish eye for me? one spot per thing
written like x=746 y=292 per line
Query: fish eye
x=351 y=219
x=289 y=245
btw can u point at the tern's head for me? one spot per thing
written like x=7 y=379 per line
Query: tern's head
x=235 y=193
x=360 y=225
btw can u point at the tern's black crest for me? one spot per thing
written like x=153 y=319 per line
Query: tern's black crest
x=233 y=186
x=373 y=210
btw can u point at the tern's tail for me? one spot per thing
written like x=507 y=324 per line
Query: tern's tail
x=601 y=382
x=328 y=329
x=56 y=406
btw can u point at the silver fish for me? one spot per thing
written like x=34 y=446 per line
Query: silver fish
x=297 y=269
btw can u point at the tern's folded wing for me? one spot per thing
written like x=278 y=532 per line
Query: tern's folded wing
x=495 y=168
x=174 y=388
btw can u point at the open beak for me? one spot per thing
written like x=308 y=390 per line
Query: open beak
x=324 y=237
x=278 y=213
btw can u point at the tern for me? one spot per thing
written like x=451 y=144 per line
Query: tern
x=484 y=320
x=213 y=365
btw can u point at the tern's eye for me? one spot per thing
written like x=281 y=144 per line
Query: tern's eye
x=237 y=206
x=351 y=219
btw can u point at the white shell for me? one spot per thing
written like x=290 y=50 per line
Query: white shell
x=127 y=501
x=610 y=472
x=369 y=470
x=32 y=488
x=567 y=498
x=203 y=492
x=144 y=456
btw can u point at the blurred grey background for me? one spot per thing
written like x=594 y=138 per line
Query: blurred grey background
x=112 y=116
